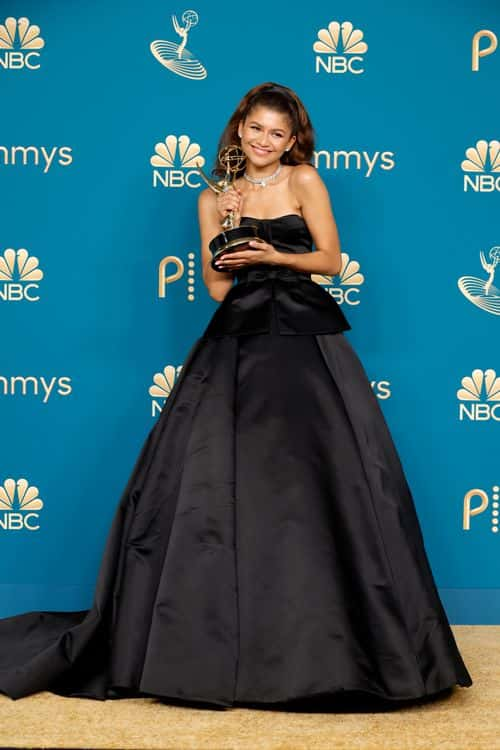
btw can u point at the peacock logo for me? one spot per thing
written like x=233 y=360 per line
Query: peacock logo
x=175 y=160
x=349 y=282
x=19 y=44
x=339 y=49
x=163 y=385
x=19 y=274
x=482 y=167
x=478 y=502
x=19 y=502
x=171 y=268
x=479 y=51
x=479 y=396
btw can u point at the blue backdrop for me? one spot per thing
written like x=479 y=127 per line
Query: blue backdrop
x=101 y=292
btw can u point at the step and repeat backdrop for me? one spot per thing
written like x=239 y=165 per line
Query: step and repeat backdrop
x=106 y=108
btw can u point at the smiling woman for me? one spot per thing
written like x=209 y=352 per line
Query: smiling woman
x=276 y=135
x=266 y=547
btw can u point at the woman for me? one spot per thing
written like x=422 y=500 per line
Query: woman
x=266 y=547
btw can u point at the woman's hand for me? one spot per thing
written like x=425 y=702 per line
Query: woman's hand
x=263 y=253
x=228 y=201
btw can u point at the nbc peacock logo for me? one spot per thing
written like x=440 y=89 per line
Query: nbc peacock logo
x=176 y=57
x=175 y=161
x=482 y=167
x=163 y=385
x=479 y=396
x=339 y=49
x=349 y=282
x=19 y=276
x=19 y=44
x=480 y=504
x=19 y=503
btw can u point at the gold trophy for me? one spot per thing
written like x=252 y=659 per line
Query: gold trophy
x=232 y=238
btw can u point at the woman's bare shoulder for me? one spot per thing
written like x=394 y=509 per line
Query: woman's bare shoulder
x=304 y=174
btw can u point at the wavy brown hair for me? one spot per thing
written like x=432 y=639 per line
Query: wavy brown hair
x=281 y=99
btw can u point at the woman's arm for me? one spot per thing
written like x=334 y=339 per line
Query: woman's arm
x=218 y=282
x=312 y=195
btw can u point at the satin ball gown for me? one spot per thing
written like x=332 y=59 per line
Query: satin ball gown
x=266 y=547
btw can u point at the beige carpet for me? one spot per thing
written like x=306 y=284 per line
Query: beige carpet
x=469 y=719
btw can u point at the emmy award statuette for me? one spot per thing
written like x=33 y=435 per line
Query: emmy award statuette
x=231 y=238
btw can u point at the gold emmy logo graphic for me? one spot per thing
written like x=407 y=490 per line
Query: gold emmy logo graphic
x=350 y=279
x=18 y=501
x=481 y=159
x=164 y=278
x=176 y=57
x=354 y=160
x=31 y=385
x=339 y=49
x=481 y=394
x=19 y=273
x=163 y=384
x=477 y=51
x=175 y=161
x=20 y=40
x=476 y=502
x=482 y=292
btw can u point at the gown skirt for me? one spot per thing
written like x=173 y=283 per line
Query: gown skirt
x=266 y=547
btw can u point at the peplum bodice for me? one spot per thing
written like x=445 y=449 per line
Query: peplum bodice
x=275 y=298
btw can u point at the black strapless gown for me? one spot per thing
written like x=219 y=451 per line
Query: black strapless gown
x=266 y=547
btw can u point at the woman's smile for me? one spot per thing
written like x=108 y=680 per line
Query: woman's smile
x=260 y=151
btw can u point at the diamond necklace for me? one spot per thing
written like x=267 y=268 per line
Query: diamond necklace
x=262 y=181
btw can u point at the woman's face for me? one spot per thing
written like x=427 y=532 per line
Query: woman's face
x=265 y=134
